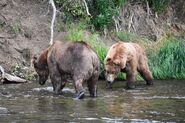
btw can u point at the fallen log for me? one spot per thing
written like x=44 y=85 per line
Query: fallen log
x=8 y=78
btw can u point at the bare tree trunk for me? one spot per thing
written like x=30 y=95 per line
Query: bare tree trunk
x=53 y=20
x=87 y=9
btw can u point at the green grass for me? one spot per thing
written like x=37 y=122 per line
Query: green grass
x=169 y=61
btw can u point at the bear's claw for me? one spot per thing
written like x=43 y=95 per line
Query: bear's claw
x=80 y=95
x=131 y=86
x=149 y=83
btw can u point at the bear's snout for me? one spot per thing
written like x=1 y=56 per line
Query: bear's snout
x=42 y=80
x=110 y=78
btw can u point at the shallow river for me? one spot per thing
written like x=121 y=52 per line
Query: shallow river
x=30 y=102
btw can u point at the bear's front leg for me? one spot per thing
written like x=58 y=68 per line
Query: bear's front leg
x=79 y=89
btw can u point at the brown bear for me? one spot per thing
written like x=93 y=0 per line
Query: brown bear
x=129 y=58
x=69 y=60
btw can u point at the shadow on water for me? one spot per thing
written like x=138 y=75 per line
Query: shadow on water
x=30 y=102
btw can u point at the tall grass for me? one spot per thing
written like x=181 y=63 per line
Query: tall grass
x=169 y=61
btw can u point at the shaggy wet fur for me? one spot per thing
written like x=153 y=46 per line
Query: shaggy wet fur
x=129 y=58
x=69 y=60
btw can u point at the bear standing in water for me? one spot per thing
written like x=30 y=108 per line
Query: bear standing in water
x=129 y=58
x=69 y=60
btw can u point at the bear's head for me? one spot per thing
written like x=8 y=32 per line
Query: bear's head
x=115 y=61
x=41 y=67
x=112 y=68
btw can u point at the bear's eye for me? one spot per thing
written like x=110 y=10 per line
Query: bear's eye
x=116 y=64
x=111 y=72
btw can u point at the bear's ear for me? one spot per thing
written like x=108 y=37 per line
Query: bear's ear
x=34 y=57
x=34 y=60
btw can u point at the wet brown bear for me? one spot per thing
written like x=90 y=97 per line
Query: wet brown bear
x=129 y=58
x=69 y=60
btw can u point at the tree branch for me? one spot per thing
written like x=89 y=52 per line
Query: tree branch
x=53 y=20
x=148 y=9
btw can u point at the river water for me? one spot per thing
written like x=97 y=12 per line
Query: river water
x=30 y=102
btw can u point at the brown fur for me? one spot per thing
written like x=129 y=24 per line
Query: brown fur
x=129 y=58
x=69 y=60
